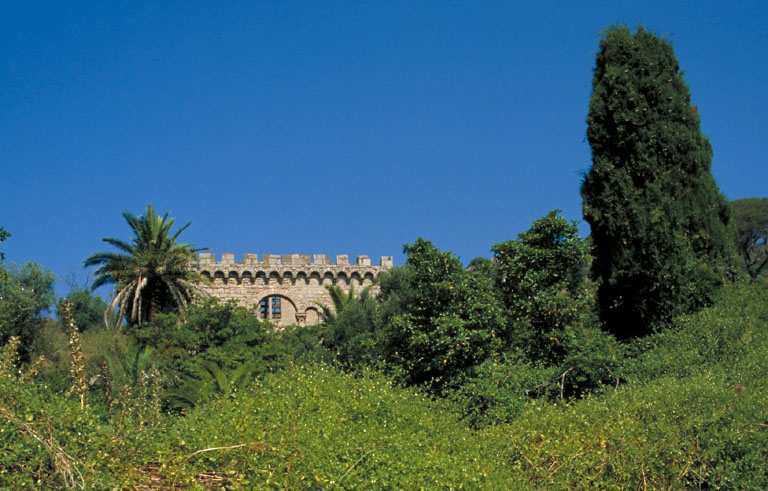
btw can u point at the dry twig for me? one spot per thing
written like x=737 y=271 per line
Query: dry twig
x=63 y=463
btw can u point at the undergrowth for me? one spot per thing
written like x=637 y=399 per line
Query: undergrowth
x=690 y=412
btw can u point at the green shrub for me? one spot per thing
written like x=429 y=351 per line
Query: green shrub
x=541 y=283
x=26 y=292
x=88 y=308
x=304 y=344
x=223 y=333
x=695 y=433
x=501 y=387
x=439 y=319
x=214 y=382
x=733 y=329
x=593 y=359
x=500 y=390
x=314 y=427
x=353 y=332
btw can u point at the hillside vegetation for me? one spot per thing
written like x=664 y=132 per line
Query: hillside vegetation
x=689 y=413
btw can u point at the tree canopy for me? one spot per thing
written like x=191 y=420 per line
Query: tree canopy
x=441 y=320
x=26 y=292
x=541 y=284
x=658 y=220
x=750 y=218
x=87 y=308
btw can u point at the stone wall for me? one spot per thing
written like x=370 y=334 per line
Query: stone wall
x=285 y=288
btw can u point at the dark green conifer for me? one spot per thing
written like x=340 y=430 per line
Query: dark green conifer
x=659 y=222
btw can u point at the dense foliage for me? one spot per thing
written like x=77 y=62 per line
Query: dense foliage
x=659 y=223
x=151 y=274
x=223 y=334
x=352 y=327
x=541 y=283
x=88 y=308
x=690 y=415
x=750 y=218
x=26 y=292
x=440 y=320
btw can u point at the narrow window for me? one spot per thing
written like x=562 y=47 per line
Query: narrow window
x=275 y=307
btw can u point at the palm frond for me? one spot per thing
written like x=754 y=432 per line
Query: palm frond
x=120 y=244
x=152 y=267
x=326 y=313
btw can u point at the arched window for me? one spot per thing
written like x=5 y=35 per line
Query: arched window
x=278 y=309
x=315 y=280
x=270 y=308
x=312 y=317
x=368 y=279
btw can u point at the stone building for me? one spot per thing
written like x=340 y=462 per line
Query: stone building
x=286 y=289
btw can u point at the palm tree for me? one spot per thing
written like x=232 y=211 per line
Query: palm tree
x=340 y=301
x=152 y=273
x=212 y=381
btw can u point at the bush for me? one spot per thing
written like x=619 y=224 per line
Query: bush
x=26 y=292
x=303 y=344
x=314 y=427
x=223 y=333
x=593 y=360
x=88 y=308
x=542 y=286
x=501 y=387
x=694 y=433
x=440 y=320
x=500 y=390
x=733 y=329
x=352 y=331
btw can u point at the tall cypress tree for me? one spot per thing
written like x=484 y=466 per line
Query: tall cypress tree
x=659 y=223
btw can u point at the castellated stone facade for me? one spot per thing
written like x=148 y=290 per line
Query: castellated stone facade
x=285 y=289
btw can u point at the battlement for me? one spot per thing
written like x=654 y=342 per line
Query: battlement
x=208 y=260
x=286 y=289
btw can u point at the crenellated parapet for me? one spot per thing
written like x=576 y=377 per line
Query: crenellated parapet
x=286 y=288
x=208 y=258
x=292 y=266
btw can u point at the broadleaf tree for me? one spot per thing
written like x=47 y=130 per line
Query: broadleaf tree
x=26 y=292
x=87 y=308
x=441 y=320
x=541 y=282
x=750 y=218
x=659 y=223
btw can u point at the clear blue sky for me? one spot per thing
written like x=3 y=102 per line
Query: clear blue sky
x=328 y=127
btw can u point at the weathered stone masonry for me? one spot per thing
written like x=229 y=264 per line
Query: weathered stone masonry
x=286 y=288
